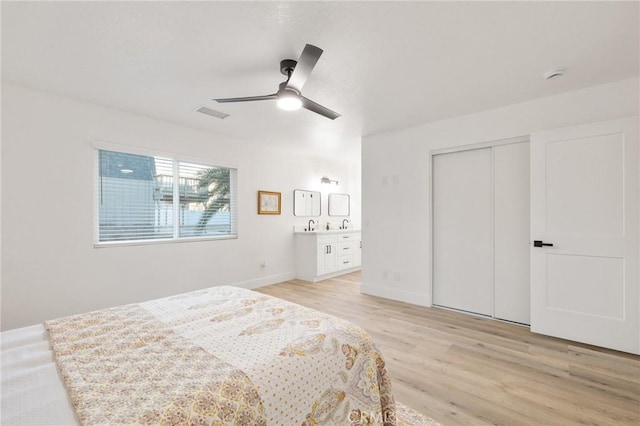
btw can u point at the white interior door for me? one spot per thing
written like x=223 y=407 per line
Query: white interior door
x=463 y=231
x=512 y=299
x=584 y=200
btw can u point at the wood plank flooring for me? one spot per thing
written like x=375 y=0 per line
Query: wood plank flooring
x=465 y=370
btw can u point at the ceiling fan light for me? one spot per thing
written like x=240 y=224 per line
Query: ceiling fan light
x=288 y=100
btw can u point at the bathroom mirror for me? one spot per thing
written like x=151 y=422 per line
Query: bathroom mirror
x=306 y=203
x=339 y=205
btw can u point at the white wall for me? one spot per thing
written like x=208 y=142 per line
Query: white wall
x=49 y=265
x=396 y=178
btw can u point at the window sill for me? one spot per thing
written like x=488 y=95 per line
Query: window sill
x=105 y=244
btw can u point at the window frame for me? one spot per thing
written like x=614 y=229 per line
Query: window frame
x=97 y=146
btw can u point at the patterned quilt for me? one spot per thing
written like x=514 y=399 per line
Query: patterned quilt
x=219 y=356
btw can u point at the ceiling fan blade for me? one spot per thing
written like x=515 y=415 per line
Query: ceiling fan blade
x=319 y=109
x=247 y=99
x=301 y=72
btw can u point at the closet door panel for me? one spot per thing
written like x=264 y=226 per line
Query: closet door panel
x=511 y=232
x=463 y=231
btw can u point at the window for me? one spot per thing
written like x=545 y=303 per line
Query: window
x=147 y=198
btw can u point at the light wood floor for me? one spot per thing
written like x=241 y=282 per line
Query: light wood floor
x=464 y=370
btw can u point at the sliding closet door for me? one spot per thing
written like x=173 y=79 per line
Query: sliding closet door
x=463 y=231
x=511 y=232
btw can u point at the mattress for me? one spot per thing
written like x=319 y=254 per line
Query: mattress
x=222 y=355
x=32 y=388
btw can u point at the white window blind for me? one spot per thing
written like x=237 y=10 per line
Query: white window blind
x=147 y=198
x=205 y=200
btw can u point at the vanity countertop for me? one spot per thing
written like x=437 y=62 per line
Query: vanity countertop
x=325 y=232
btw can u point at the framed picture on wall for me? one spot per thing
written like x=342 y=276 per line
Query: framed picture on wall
x=268 y=202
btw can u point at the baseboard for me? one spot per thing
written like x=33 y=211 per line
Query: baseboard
x=332 y=274
x=419 y=299
x=264 y=281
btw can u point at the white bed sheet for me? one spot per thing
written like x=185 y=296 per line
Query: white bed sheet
x=32 y=389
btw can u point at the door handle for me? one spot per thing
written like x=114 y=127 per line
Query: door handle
x=538 y=243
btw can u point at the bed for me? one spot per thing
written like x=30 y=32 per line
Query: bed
x=222 y=355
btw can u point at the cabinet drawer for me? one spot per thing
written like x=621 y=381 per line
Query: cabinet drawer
x=346 y=248
x=348 y=237
x=345 y=262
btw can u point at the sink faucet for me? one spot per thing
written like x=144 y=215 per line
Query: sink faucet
x=343 y=225
x=309 y=224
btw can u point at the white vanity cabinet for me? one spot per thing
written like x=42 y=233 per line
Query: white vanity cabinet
x=326 y=254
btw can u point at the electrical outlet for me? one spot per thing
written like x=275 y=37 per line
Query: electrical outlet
x=263 y=263
x=385 y=274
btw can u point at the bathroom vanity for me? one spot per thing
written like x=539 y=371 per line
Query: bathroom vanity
x=327 y=254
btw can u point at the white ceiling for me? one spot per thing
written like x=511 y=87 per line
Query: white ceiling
x=386 y=65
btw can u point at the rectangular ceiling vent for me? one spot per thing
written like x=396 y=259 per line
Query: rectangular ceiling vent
x=212 y=112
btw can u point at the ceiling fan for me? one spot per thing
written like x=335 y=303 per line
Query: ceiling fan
x=289 y=94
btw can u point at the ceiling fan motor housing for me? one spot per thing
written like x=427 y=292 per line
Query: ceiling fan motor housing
x=282 y=87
